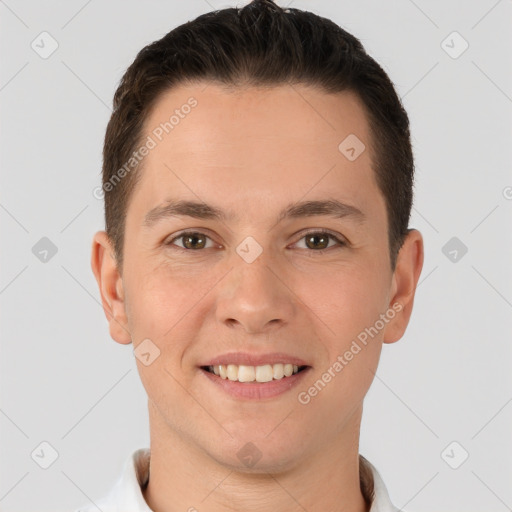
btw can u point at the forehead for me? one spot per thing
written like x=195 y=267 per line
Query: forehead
x=249 y=117
x=250 y=146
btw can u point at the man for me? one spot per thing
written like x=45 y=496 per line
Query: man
x=258 y=181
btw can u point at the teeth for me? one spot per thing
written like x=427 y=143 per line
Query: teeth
x=278 y=371
x=232 y=372
x=264 y=373
x=246 y=373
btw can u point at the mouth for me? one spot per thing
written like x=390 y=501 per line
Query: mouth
x=251 y=376
x=261 y=374
x=262 y=382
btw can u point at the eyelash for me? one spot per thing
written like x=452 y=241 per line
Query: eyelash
x=340 y=242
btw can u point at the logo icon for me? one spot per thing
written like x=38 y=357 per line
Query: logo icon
x=454 y=45
x=351 y=147
x=44 y=45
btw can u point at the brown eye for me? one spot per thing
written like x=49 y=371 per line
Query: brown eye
x=319 y=240
x=191 y=241
x=194 y=241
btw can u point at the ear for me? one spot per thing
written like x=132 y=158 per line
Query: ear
x=405 y=279
x=110 y=283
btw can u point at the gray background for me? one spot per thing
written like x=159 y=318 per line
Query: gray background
x=64 y=381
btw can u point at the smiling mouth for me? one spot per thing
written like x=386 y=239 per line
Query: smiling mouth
x=263 y=373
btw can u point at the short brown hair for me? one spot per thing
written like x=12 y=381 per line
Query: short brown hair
x=260 y=44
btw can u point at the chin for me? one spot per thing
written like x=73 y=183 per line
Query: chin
x=258 y=453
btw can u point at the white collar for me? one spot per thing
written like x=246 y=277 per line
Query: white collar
x=126 y=494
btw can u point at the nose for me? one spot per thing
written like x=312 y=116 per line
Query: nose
x=255 y=298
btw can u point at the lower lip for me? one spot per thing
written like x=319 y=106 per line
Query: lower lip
x=256 y=390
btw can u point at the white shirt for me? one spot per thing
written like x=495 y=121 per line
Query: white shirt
x=126 y=494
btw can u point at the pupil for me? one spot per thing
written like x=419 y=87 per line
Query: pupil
x=191 y=245
x=324 y=241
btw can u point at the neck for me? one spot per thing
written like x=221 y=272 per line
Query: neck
x=185 y=478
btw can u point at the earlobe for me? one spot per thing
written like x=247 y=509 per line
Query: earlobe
x=405 y=281
x=111 y=288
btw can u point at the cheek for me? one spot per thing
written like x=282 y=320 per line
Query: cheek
x=169 y=304
x=154 y=303
x=347 y=299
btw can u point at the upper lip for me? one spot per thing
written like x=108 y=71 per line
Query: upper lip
x=247 y=359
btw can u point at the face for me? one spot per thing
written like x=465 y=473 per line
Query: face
x=283 y=261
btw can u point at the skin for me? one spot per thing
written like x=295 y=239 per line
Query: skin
x=251 y=152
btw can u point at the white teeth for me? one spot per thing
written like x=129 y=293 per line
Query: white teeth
x=263 y=373
x=232 y=372
x=246 y=373
x=278 y=371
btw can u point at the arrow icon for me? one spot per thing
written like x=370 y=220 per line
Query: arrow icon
x=45 y=253
x=40 y=45
x=44 y=455
x=351 y=147
x=451 y=455
x=146 y=352
x=455 y=253
x=451 y=45
x=249 y=252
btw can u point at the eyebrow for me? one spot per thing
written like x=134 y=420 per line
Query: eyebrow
x=330 y=207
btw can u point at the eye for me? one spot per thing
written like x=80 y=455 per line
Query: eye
x=191 y=240
x=319 y=240
x=316 y=241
